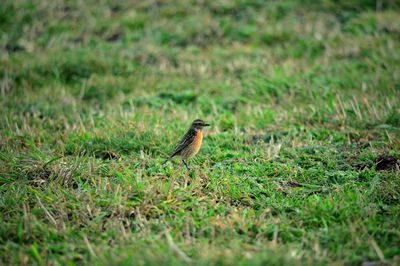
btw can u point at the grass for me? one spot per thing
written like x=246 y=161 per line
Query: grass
x=300 y=165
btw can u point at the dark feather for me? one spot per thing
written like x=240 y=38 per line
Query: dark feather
x=187 y=140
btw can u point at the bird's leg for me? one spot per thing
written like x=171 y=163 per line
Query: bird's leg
x=187 y=167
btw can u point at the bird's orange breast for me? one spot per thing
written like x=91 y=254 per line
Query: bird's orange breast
x=197 y=142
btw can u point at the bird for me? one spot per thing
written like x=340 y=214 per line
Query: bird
x=190 y=144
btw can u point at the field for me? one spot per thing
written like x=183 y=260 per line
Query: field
x=299 y=167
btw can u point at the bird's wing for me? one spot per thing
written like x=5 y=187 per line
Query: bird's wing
x=188 y=139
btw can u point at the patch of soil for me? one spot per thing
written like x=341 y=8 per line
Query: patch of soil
x=14 y=48
x=38 y=176
x=114 y=37
x=386 y=163
x=108 y=155
x=292 y=184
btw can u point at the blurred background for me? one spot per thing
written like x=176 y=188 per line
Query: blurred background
x=249 y=65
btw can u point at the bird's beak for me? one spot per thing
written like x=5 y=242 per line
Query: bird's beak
x=206 y=125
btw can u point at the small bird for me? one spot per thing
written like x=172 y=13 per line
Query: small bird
x=190 y=144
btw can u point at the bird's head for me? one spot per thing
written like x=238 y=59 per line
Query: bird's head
x=198 y=124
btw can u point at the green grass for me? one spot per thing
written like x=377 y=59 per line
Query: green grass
x=298 y=167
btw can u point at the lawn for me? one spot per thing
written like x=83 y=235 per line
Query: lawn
x=301 y=164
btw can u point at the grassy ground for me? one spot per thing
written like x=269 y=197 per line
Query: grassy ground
x=298 y=167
